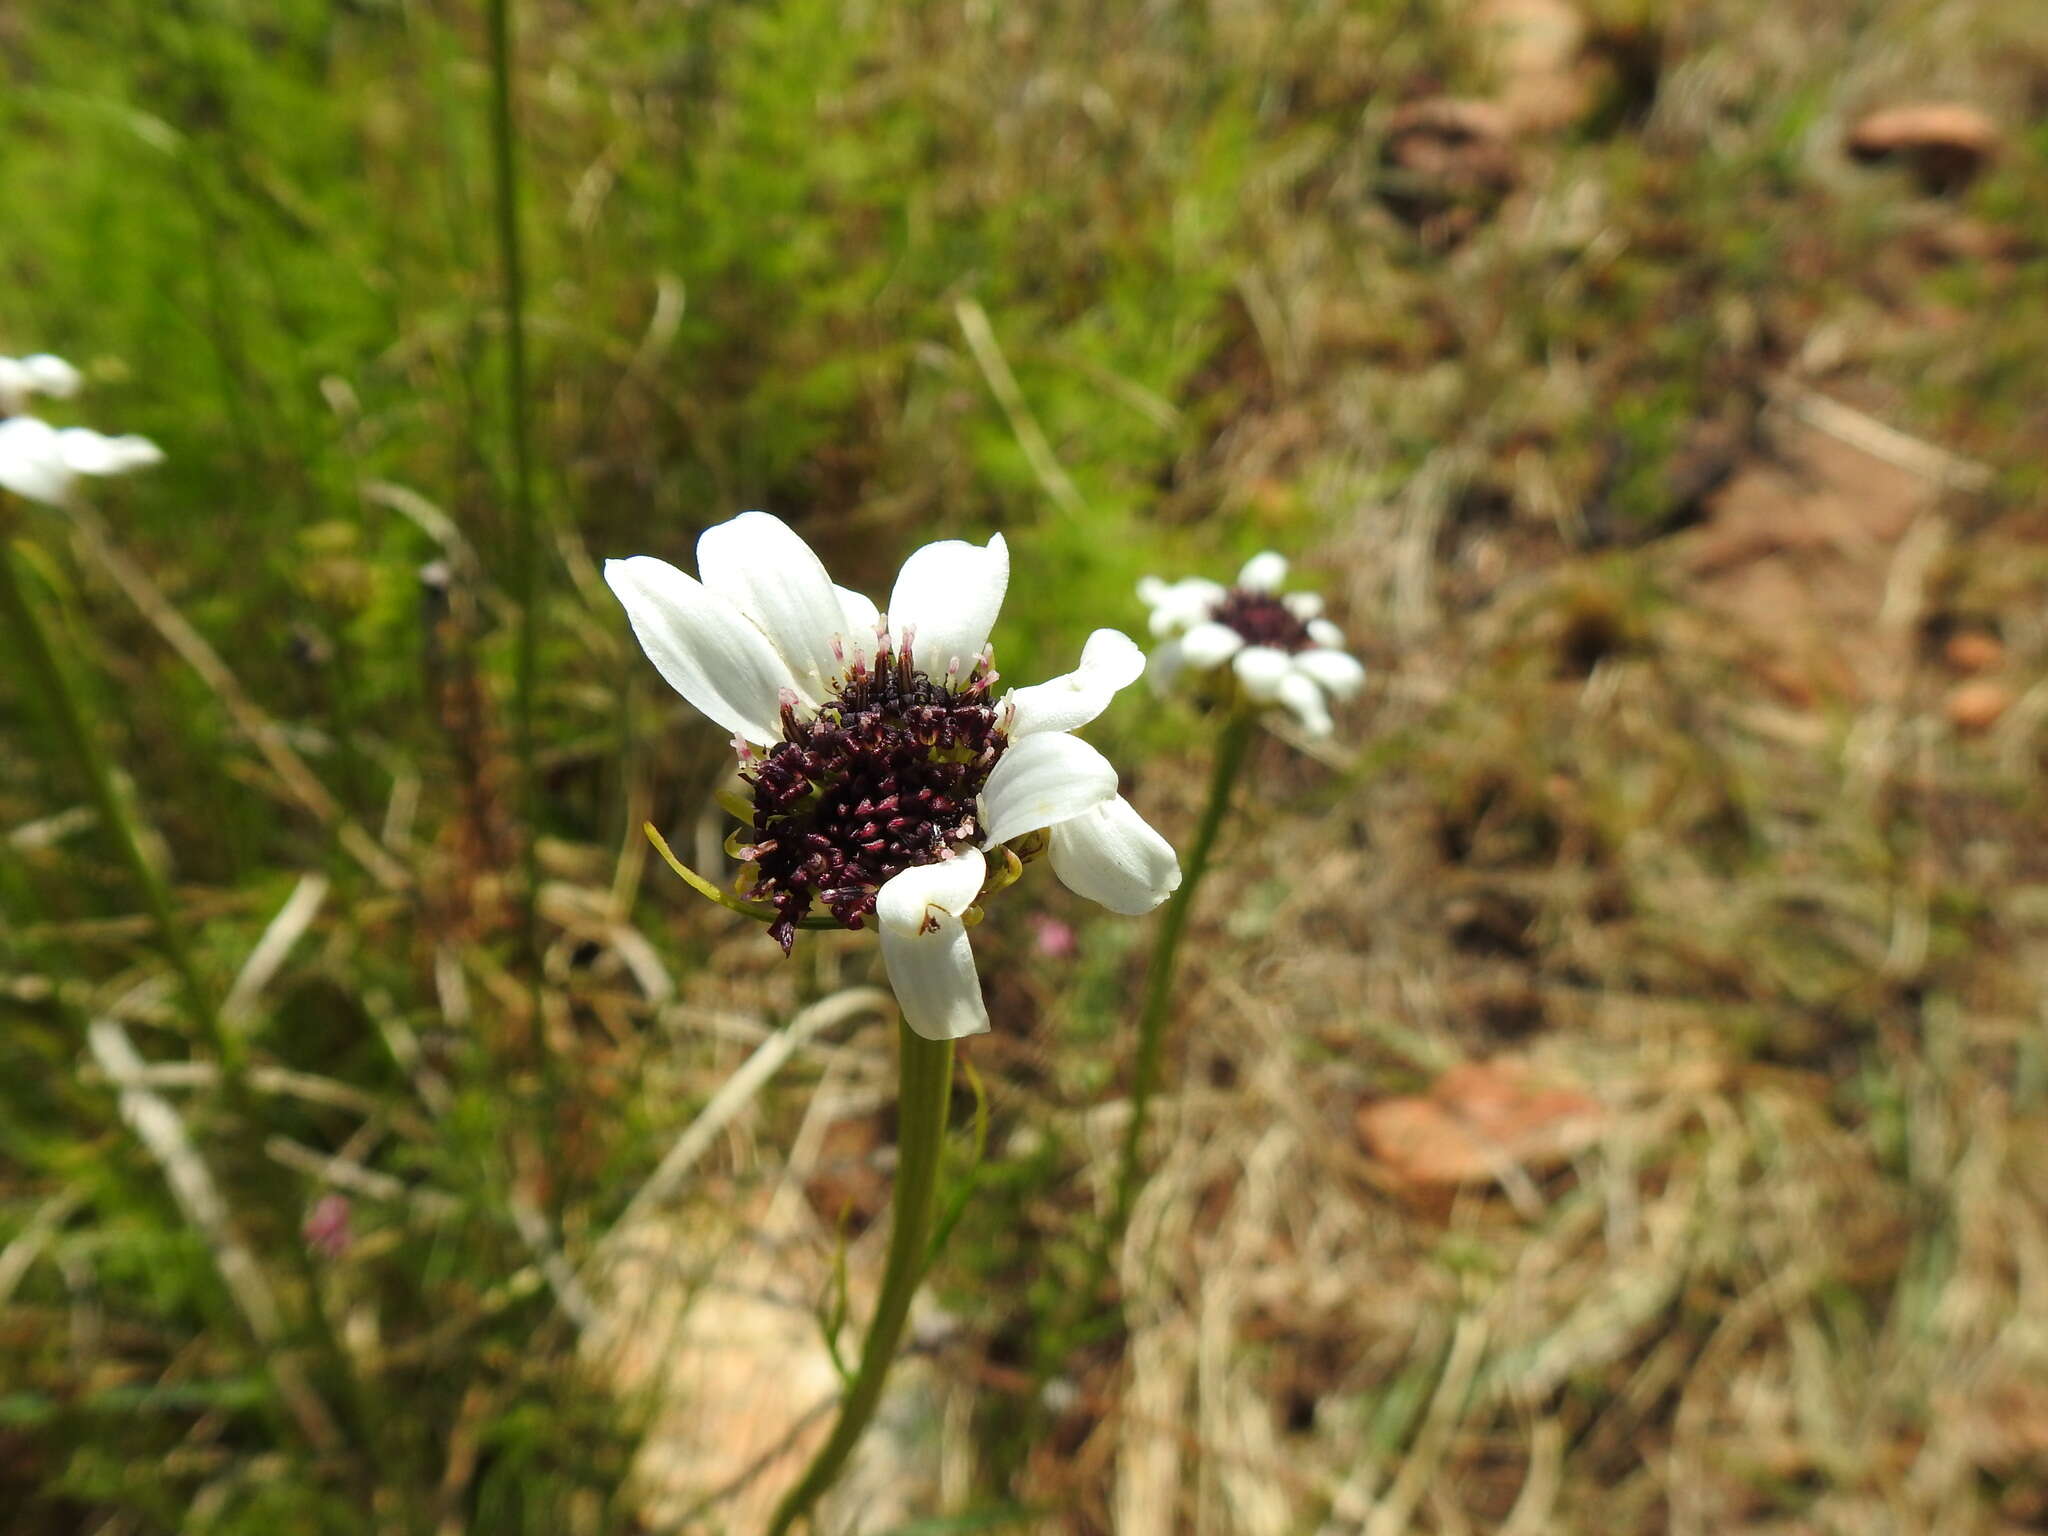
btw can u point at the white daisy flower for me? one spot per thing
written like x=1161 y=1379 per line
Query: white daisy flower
x=43 y=462
x=1277 y=646
x=23 y=378
x=883 y=778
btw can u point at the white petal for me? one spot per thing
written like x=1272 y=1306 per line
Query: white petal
x=1151 y=590
x=761 y=566
x=859 y=622
x=924 y=945
x=1184 y=603
x=1110 y=661
x=1338 y=674
x=31 y=463
x=1303 y=605
x=946 y=598
x=1165 y=620
x=1304 y=700
x=706 y=649
x=934 y=980
x=1210 y=644
x=90 y=453
x=1112 y=856
x=1262 y=669
x=910 y=901
x=1326 y=634
x=52 y=375
x=1263 y=572
x=1040 y=782
x=1165 y=665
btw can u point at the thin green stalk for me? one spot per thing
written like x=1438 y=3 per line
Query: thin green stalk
x=526 y=517
x=925 y=1086
x=116 y=815
x=118 y=819
x=1231 y=748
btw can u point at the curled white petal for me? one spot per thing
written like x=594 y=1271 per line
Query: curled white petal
x=1112 y=855
x=925 y=948
x=1337 y=673
x=1110 y=662
x=762 y=566
x=1210 y=644
x=1304 y=700
x=1263 y=572
x=703 y=646
x=1262 y=669
x=1303 y=605
x=1326 y=634
x=1042 y=781
x=946 y=599
x=31 y=461
x=933 y=977
x=909 y=902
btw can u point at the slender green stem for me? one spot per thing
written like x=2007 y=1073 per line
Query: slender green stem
x=526 y=534
x=116 y=815
x=118 y=818
x=1231 y=748
x=926 y=1083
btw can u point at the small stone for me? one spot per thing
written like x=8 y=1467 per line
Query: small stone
x=1972 y=650
x=1976 y=706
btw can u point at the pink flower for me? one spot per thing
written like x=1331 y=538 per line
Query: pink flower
x=326 y=1227
x=1052 y=938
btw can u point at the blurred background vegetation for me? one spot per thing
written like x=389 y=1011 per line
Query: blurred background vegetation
x=1610 y=1092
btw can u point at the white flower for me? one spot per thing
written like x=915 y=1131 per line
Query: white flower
x=43 y=462
x=22 y=378
x=1277 y=646
x=884 y=779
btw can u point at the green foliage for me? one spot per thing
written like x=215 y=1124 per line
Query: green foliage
x=264 y=229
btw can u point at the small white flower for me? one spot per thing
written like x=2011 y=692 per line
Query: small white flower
x=1278 y=647
x=43 y=462
x=23 y=378
x=884 y=780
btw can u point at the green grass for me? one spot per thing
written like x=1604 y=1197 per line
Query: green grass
x=1798 y=941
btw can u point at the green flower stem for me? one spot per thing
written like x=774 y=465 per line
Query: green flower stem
x=925 y=1086
x=1231 y=749
x=119 y=821
x=116 y=815
x=525 y=583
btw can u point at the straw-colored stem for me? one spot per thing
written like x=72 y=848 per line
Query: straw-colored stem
x=925 y=1086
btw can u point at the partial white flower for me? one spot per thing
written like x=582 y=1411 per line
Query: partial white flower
x=43 y=462
x=1277 y=647
x=23 y=378
x=885 y=780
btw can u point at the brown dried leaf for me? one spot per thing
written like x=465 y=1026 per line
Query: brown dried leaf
x=1977 y=705
x=1946 y=143
x=1479 y=1117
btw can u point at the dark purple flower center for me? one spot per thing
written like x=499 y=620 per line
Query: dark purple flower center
x=1263 y=619
x=882 y=778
